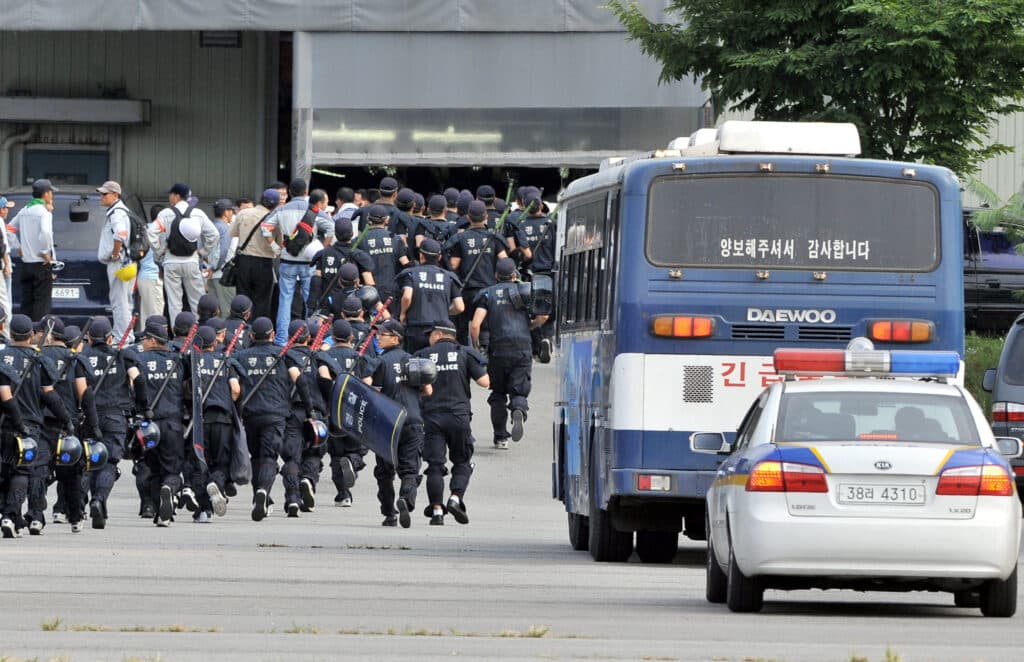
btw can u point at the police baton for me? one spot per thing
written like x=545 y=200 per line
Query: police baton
x=373 y=329
x=216 y=373
x=317 y=341
x=273 y=366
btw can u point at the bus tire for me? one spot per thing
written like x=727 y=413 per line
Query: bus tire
x=579 y=532
x=657 y=546
x=608 y=544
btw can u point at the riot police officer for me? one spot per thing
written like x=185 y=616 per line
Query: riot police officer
x=428 y=293
x=391 y=377
x=446 y=420
x=267 y=378
x=540 y=231
x=101 y=369
x=388 y=252
x=326 y=265
x=473 y=255
x=159 y=377
x=26 y=388
x=507 y=312
x=436 y=226
x=241 y=311
x=347 y=454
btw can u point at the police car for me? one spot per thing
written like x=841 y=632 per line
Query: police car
x=849 y=475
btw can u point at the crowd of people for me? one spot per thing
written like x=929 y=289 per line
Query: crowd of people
x=271 y=308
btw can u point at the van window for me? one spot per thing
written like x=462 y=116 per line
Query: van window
x=1013 y=367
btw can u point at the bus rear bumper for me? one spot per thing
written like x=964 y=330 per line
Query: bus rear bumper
x=660 y=484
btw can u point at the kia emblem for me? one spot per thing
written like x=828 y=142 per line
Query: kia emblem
x=883 y=465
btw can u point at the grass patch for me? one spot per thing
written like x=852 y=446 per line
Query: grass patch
x=401 y=547
x=302 y=629
x=51 y=625
x=171 y=628
x=87 y=627
x=982 y=353
x=533 y=632
x=890 y=656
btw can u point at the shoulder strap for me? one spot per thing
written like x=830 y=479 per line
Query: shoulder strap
x=252 y=232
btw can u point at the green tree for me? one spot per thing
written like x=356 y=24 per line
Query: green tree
x=921 y=79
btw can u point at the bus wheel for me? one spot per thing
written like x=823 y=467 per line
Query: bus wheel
x=606 y=542
x=579 y=532
x=657 y=546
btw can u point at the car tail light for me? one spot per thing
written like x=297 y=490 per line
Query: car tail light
x=901 y=331
x=1007 y=411
x=978 y=480
x=773 y=476
x=682 y=326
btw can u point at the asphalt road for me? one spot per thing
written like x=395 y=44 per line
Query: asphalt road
x=336 y=585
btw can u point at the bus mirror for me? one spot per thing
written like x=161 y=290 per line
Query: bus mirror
x=713 y=443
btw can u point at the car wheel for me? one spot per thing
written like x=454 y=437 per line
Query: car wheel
x=657 y=546
x=716 y=583
x=743 y=594
x=969 y=599
x=579 y=532
x=999 y=596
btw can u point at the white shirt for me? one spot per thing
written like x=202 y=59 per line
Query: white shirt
x=34 y=226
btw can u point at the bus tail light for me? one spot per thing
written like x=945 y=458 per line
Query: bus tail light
x=901 y=331
x=653 y=483
x=978 y=480
x=774 y=476
x=682 y=326
x=1003 y=412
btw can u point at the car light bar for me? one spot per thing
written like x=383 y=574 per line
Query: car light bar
x=905 y=363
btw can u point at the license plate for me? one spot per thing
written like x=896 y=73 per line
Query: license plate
x=66 y=292
x=897 y=495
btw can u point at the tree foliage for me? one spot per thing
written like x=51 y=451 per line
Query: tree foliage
x=922 y=79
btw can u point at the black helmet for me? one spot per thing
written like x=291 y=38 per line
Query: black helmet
x=315 y=433
x=69 y=451
x=368 y=296
x=96 y=454
x=21 y=452
x=420 y=372
x=145 y=437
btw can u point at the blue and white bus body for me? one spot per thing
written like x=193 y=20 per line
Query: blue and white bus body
x=627 y=400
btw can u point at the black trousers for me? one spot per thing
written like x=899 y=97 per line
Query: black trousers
x=256 y=281
x=447 y=433
x=36 y=289
x=510 y=387
x=69 y=480
x=340 y=446
x=291 y=455
x=463 y=319
x=410 y=448
x=265 y=436
x=217 y=439
x=113 y=429
x=167 y=460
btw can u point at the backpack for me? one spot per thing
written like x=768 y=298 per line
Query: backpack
x=138 y=241
x=176 y=242
x=302 y=235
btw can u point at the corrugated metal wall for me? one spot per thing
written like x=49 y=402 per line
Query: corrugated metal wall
x=208 y=113
x=1004 y=174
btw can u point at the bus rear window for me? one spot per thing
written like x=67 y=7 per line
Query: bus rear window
x=793 y=222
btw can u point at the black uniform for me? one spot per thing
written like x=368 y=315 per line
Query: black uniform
x=468 y=246
x=541 y=231
x=266 y=410
x=298 y=462
x=340 y=445
x=231 y=324
x=70 y=479
x=218 y=425
x=389 y=374
x=167 y=461
x=327 y=262
x=433 y=290
x=386 y=250
x=112 y=408
x=509 y=354
x=447 y=415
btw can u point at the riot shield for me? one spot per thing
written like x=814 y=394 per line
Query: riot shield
x=372 y=419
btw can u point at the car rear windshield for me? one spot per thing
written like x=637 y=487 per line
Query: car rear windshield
x=876 y=416
x=1013 y=365
x=793 y=222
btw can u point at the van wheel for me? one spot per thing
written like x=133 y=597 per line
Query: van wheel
x=743 y=594
x=716 y=583
x=968 y=599
x=579 y=532
x=999 y=596
x=657 y=546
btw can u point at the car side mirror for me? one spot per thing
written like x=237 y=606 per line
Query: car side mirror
x=1009 y=447
x=988 y=381
x=79 y=210
x=713 y=443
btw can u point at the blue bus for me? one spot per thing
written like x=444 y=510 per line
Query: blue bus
x=681 y=271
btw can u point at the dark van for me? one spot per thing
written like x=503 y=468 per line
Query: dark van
x=81 y=288
x=1006 y=384
x=993 y=278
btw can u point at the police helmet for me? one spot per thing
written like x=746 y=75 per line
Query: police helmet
x=96 y=454
x=314 y=432
x=420 y=372
x=69 y=451
x=21 y=451
x=145 y=437
x=368 y=296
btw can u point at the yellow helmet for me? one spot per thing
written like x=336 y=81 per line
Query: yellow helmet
x=127 y=272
